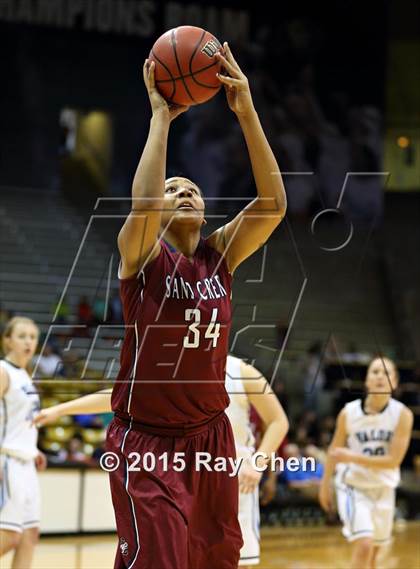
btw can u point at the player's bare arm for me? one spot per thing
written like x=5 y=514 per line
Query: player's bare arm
x=269 y=408
x=4 y=382
x=138 y=238
x=251 y=228
x=99 y=402
x=397 y=450
x=338 y=440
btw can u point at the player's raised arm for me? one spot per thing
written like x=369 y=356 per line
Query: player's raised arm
x=397 y=449
x=339 y=440
x=138 y=236
x=251 y=228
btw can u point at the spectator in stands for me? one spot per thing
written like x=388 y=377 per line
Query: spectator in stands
x=307 y=429
x=99 y=309
x=353 y=355
x=88 y=421
x=303 y=480
x=49 y=364
x=75 y=451
x=62 y=309
x=94 y=421
x=84 y=311
x=313 y=376
x=71 y=364
x=5 y=316
x=116 y=315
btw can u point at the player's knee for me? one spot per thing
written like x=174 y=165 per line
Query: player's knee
x=9 y=540
x=31 y=536
x=364 y=548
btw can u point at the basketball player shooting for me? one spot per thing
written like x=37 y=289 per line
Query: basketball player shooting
x=169 y=397
x=176 y=295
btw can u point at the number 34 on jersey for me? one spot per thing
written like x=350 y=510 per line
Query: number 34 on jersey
x=197 y=333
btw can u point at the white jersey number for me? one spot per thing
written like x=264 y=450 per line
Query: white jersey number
x=212 y=332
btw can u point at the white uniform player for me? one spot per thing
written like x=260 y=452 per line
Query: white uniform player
x=238 y=413
x=366 y=496
x=370 y=441
x=19 y=488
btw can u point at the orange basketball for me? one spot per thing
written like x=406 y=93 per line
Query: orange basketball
x=186 y=66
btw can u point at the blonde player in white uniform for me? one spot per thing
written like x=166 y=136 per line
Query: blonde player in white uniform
x=19 y=455
x=370 y=441
x=246 y=386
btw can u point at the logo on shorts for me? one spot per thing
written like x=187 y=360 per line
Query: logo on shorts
x=123 y=546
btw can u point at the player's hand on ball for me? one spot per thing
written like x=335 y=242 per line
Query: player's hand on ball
x=157 y=102
x=248 y=478
x=341 y=454
x=235 y=82
x=46 y=417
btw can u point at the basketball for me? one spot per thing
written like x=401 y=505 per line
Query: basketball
x=186 y=66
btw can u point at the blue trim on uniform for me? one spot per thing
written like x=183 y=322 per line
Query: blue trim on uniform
x=3 y=435
x=12 y=364
x=256 y=515
x=170 y=247
x=3 y=523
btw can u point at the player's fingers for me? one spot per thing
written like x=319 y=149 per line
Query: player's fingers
x=229 y=56
x=146 y=72
x=229 y=81
x=228 y=66
x=152 y=74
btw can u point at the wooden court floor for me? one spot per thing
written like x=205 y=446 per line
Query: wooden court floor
x=282 y=548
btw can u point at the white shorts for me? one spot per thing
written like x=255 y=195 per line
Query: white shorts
x=249 y=520
x=19 y=494
x=366 y=512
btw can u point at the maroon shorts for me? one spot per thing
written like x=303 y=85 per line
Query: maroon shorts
x=168 y=519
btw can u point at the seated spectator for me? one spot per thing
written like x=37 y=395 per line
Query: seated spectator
x=71 y=364
x=75 y=451
x=84 y=311
x=353 y=355
x=62 y=309
x=308 y=423
x=89 y=421
x=301 y=479
x=116 y=315
x=99 y=316
x=49 y=364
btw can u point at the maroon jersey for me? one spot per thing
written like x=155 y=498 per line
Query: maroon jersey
x=177 y=315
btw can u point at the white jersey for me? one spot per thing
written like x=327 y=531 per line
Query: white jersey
x=18 y=437
x=370 y=434
x=239 y=408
